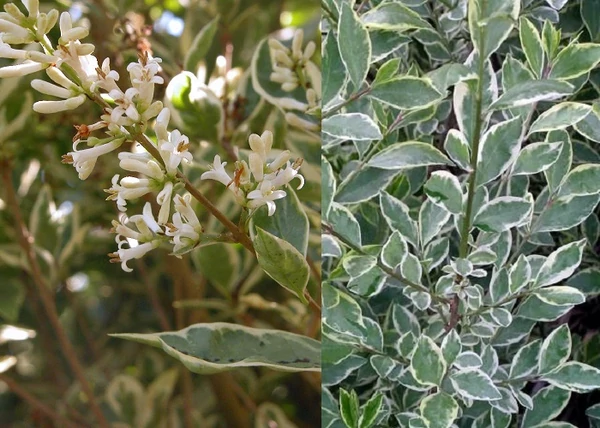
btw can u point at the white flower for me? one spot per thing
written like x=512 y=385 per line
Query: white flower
x=265 y=195
x=217 y=172
x=142 y=163
x=284 y=176
x=140 y=241
x=164 y=198
x=161 y=125
x=106 y=79
x=127 y=189
x=175 y=150
x=185 y=229
x=85 y=160
x=123 y=255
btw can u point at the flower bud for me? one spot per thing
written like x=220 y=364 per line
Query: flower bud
x=50 y=21
x=50 y=89
x=47 y=107
x=14 y=12
x=12 y=29
x=22 y=69
x=297 y=44
x=256 y=166
x=32 y=6
x=280 y=160
x=73 y=34
x=309 y=50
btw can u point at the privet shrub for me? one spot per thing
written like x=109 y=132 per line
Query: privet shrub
x=207 y=148
x=460 y=181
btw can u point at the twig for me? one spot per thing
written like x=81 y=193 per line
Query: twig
x=25 y=240
x=34 y=402
x=417 y=287
x=343 y=104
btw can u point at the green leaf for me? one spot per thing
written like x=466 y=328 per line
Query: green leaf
x=341 y=313
x=349 y=408
x=363 y=185
x=590 y=14
x=334 y=75
x=408 y=154
x=503 y=213
x=393 y=16
x=427 y=364
x=370 y=411
x=439 y=410
x=443 y=188
x=556 y=349
x=13 y=297
x=328 y=186
x=548 y=403
x=457 y=147
x=531 y=43
x=352 y=126
x=560 y=116
x=490 y=23
x=525 y=362
x=406 y=92
x=537 y=157
x=219 y=264
x=566 y=212
x=201 y=45
x=290 y=223
x=344 y=223
x=575 y=60
x=589 y=126
x=531 y=92
x=575 y=376
x=473 y=384
x=561 y=264
x=282 y=262
x=499 y=147
x=520 y=274
x=398 y=218
x=582 y=180
x=216 y=347
x=125 y=397
x=431 y=220
x=557 y=172
x=538 y=310
x=561 y=295
x=354 y=45
x=464 y=102
x=394 y=250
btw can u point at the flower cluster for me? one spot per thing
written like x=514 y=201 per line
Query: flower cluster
x=259 y=181
x=150 y=167
x=75 y=77
x=293 y=68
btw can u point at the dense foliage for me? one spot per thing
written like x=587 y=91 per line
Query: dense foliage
x=460 y=185
x=200 y=122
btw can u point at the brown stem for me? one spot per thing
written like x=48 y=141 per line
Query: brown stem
x=34 y=402
x=43 y=289
x=186 y=377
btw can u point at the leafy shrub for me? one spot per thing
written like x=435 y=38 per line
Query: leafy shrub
x=461 y=176
x=205 y=136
